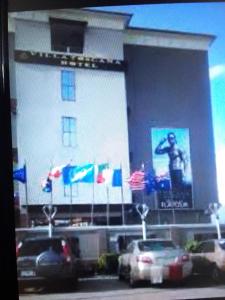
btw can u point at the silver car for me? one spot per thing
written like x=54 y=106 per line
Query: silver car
x=155 y=260
x=209 y=259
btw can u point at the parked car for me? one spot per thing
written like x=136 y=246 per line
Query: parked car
x=155 y=260
x=48 y=259
x=209 y=259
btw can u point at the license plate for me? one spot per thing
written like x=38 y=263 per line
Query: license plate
x=165 y=261
x=156 y=274
x=28 y=273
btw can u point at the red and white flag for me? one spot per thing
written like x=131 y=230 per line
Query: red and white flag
x=137 y=181
x=56 y=172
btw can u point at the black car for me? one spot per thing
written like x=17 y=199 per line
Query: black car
x=48 y=259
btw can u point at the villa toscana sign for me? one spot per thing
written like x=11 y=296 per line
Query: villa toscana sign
x=68 y=60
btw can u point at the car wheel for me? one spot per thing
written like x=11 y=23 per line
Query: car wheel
x=216 y=274
x=70 y=283
x=132 y=281
x=120 y=275
x=22 y=287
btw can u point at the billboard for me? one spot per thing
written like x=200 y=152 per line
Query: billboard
x=172 y=166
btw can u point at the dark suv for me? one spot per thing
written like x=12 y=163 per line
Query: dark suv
x=48 y=259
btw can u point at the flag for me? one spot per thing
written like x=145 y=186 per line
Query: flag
x=47 y=185
x=137 y=181
x=162 y=182
x=20 y=174
x=117 y=177
x=100 y=178
x=73 y=174
x=56 y=172
x=107 y=175
x=150 y=183
x=66 y=174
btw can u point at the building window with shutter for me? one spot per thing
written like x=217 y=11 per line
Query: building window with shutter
x=69 y=131
x=68 y=85
x=67 y=35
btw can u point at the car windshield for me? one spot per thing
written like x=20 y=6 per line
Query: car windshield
x=155 y=245
x=35 y=247
x=222 y=245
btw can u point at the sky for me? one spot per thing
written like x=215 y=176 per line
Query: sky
x=206 y=18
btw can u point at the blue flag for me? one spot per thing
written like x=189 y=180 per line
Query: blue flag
x=67 y=173
x=117 y=178
x=20 y=174
x=74 y=174
x=47 y=185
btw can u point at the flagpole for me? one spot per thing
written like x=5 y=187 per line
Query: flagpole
x=143 y=170
x=51 y=193
x=156 y=207
x=26 y=196
x=51 y=203
x=143 y=216
x=71 y=197
x=107 y=205
x=122 y=197
x=71 y=204
x=93 y=198
x=26 y=199
x=92 y=204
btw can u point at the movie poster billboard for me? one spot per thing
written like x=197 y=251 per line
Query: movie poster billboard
x=172 y=165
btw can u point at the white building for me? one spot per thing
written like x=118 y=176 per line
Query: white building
x=73 y=113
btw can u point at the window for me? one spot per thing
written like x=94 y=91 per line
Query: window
x=68 y=85
x=130 y=248
x=222 y=244
x=155 y=245
x=69 y=131
x=71 y=191
x=35 y=247
x=67 y=35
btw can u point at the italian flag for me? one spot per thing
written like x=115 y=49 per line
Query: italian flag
x=101 y=175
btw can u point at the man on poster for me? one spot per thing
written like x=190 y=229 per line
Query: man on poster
x=177 y=160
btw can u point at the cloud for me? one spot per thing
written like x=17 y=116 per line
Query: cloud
x=216 y=71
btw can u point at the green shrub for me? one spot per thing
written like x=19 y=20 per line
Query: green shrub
x=191 y=246
x=108 y=263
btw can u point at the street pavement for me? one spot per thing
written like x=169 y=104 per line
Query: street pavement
x=109 y=288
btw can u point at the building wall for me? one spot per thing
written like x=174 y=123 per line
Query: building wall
x=98 y=42
x=170 y=88
x=12 y=86
x=100 y=109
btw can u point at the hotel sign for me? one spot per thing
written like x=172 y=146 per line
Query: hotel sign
x=69 y=60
